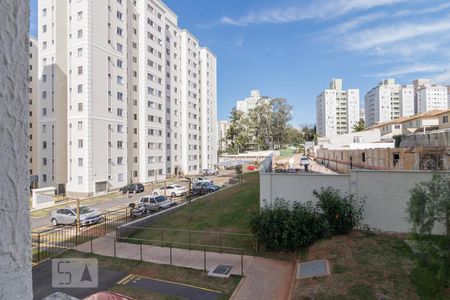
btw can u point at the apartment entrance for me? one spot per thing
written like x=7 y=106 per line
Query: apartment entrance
x=101 y=187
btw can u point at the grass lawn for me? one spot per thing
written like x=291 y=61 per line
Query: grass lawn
x=365 y=266
x=225 y=211
x=163 y=272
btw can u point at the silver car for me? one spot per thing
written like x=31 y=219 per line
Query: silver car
x=155 y=203
x=66 y=216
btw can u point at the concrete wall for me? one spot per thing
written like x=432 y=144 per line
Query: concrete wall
x=386 y=192
x=15 y=242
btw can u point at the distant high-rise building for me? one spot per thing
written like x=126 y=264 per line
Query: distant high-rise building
x=431 y=97
x=223 y=128
x=362 y=114
x=388 y=101
x=250 y=103
x=125 y=95
x=338 y=110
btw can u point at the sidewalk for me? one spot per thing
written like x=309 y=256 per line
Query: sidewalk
x=263 y=278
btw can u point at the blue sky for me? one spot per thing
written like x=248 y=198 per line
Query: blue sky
x=293 y=48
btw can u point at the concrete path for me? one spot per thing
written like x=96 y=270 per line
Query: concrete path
x=263 y=278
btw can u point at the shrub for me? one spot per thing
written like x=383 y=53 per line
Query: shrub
x=280 y=228
x=340 y=212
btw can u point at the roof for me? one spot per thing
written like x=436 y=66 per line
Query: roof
x=428 y=114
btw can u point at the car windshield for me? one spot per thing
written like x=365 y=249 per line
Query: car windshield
x=160 y=199
x=178 y=186
x=86 y=210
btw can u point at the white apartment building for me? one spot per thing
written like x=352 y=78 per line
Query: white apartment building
x=139 y=101
x=250 y=103
x=223 y=128
x=208 y=108
x=52 y=94
x=388 y=101
x=338 y=111
x=32 y=93
x=431 y=97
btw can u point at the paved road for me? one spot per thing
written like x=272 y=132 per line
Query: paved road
x=42 y=282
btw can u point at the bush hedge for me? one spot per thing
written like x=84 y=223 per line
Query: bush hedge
x=279 y=227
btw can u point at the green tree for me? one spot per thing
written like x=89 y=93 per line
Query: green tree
x=360 y=126
x=295 y=137
x=309 y=134
x=282 y=114
x=430 y=203
x=237 y=134
x=260 y=123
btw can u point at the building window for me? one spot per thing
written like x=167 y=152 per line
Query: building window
x=80 y=88
x=80 y=179
x=80 y=162
x=80 y=125
x=80 y=144
x=80 y=33
x=80 y=52
x=80 y=106
x=445 y=119
x=79 y=15
x=44 y=161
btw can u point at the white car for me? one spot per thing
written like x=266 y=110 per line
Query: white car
x=203 y=180
x=155 y=203
x=304 y=161
x=173 y=190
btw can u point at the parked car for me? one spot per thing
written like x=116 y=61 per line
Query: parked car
x=304 y=160
x=199 y=188
x=66 y=216
x=209 y=172
x=132 y=188
x=156 y=202
x=211 y=187
x=251 y=168
x=173 y=190
x=203 y=180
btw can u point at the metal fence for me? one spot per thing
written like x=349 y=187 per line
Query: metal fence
x=196 y=239
x=144 y=252
x=51 y=242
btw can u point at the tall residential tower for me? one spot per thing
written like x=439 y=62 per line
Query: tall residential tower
x=338 y=110
x=133 y=96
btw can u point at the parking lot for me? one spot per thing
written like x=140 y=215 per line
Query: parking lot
x=117 y=200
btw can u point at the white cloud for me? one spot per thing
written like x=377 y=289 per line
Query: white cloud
x=318 y=9
x=423 y=11
x=410 y=69
x=371 y=39
x=357 y=22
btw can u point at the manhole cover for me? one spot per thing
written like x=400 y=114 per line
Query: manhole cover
x=313 y=268
x=223 y=271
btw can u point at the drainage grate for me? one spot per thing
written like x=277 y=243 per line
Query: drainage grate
x=313 y=269
x=223 y=271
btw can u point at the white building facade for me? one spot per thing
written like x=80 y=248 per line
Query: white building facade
x=338 y=110
x=250 y=103
x=137 y=95
x=431 y=97
x=388 y=101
